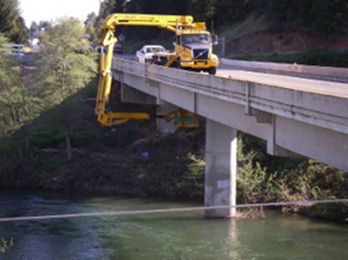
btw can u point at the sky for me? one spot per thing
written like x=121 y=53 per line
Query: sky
x=50 y=10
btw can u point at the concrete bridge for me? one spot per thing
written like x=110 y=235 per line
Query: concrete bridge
x=297 y=117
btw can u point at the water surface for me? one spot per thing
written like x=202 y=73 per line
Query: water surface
x=159 y=236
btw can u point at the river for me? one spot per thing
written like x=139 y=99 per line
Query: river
x=159 y=236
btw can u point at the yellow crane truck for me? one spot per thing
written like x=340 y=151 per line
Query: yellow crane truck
x=193 y=51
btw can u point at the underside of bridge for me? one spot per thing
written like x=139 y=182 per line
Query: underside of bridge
x=220 y=154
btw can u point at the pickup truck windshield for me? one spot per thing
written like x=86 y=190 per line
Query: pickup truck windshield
x=155 y=49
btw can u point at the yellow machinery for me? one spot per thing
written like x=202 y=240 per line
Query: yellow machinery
x=193 y=51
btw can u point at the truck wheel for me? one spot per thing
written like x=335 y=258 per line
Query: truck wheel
x=212 y=71
x=176 y=64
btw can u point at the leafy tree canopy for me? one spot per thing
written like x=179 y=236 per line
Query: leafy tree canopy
x=66 y=61
x=11 y=22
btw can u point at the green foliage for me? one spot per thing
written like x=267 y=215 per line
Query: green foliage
x=66 y=65
x=191 y=182
x=320 y=16
x=18 y=105
x=47 y=139
x=263 y=178
x=254 y=182
x=91 y=31
x=3 y=49
x=52 y=164
x=107 y=7
x=8 y=13
x=12 y=24
x=169 y=169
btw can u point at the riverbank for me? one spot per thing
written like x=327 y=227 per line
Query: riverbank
x=135 y=159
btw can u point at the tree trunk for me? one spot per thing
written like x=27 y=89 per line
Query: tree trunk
x=68 y=144
x=26 y=137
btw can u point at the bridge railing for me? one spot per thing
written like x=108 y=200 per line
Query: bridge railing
x=16 y=49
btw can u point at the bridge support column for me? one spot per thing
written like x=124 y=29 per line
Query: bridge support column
x=162 y=109
x=220 y=169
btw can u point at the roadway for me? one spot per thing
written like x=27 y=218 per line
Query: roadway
x=295 y=83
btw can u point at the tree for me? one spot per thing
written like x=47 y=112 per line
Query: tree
x=90 y=27
x=106 y=8
x=18 y=103
x=119 y=6
x=319 y=16
x=66 y=65
x=8 y=15
x=11 y=23
x=21 y=34
x=7 y=81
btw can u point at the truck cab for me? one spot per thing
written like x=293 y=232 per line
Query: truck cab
x=195 y=51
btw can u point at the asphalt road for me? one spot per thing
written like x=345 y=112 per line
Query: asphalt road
x=304 y=84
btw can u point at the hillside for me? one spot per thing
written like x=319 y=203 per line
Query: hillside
x=255 y=38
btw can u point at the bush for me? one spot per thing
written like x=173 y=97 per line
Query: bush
x=47 y=139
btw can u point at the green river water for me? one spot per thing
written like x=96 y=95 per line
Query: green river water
x=159 y=236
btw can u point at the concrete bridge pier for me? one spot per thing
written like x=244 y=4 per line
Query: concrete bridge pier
x=220 y=169
x=163 y=108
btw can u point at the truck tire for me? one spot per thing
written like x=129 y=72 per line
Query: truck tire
x=176 y=64
x=212 y=71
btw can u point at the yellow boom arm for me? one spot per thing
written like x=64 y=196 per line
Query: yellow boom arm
x=168 y=22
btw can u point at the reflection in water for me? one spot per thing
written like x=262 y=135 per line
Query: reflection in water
x=233 y=239
x=185 y=235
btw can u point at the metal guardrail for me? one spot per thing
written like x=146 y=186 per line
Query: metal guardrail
x=16 y=49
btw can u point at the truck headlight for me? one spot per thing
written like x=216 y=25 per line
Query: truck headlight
x=186 y=59
x=214 y=59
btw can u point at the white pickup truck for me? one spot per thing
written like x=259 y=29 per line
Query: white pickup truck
x=144 y=55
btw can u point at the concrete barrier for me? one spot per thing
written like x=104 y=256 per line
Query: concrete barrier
x=298 y=70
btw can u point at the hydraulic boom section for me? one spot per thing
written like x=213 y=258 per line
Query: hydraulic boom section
x=190 y=53
x=162 y=21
